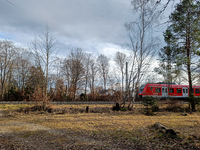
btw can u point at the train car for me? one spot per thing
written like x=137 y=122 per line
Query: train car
x=163 y=90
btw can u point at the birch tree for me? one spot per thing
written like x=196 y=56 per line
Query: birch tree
x=143 y=44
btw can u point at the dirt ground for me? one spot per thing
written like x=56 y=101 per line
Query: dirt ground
x=118 y=130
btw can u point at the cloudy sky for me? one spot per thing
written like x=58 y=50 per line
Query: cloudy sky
x=97 y=26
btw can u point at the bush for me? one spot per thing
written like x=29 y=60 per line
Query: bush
x=83 y=96
x=149 y=101
x=117 y=107
x=155 y=107
x=123 y=109
x=174 y=106
x=197 y=100
x=40 y=99
x=48 y=109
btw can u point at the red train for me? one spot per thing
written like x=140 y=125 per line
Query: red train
x=163 y=90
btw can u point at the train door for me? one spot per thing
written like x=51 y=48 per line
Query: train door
x=164 y=92
x=185 y=92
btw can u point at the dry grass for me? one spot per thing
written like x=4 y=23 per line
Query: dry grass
x=104 y=121
x=87 y=129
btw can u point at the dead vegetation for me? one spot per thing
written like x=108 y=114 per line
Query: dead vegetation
x=70 y=127
x=163 y=106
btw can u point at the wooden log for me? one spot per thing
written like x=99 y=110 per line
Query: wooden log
x=157 y=125
x=183 y=114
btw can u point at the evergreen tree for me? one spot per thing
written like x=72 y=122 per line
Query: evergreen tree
x=34 y=80
x=185 y=35
x=167 y=57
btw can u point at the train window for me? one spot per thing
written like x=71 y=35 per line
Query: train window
x=178 y=90
x=171 y=90
x=183 y=90
x=157 y=90
x=186 y=90
x=151 y=89
x=141 y=88
x=196 y=90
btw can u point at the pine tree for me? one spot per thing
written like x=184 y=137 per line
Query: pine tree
x=167 y=57
x=184 y=28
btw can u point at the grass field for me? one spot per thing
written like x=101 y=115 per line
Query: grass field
x=117 y=130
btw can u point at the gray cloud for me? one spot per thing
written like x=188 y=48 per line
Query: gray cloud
x=98 y=21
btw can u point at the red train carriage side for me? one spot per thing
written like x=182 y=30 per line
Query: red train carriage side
x=163 y=91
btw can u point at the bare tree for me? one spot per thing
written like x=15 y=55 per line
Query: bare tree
x=92 y=75
x=22 y=67
x=8 y=53
x=103 y=65
x=35 y=47
x=44 y=52
x=120 y=59
x=65 y=71
x=74 y=67
x=142 y=42
x=87 y=70
x=111 y=83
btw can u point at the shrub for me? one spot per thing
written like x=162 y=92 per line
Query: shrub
x=40 y=98
x=48 y=109
x=174 y=105
x=83 y=96
x=117 y=107
x=197 y=100
x=123 y=109
x=150 y=103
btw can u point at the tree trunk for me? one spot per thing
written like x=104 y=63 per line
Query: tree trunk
x=74 y=96
x=86 y=83
x=191 y=96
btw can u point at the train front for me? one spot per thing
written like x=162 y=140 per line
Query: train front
x=141 y=91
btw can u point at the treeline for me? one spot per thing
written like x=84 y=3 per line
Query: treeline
x=77 y=76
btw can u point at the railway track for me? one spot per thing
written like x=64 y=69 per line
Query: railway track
x=75 y=102
x=60 y=102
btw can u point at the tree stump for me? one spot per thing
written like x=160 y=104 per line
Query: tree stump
x=87 y=109
x=117 y=107
x=163 y=129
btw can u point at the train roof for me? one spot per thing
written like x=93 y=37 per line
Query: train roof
x=171 y=85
